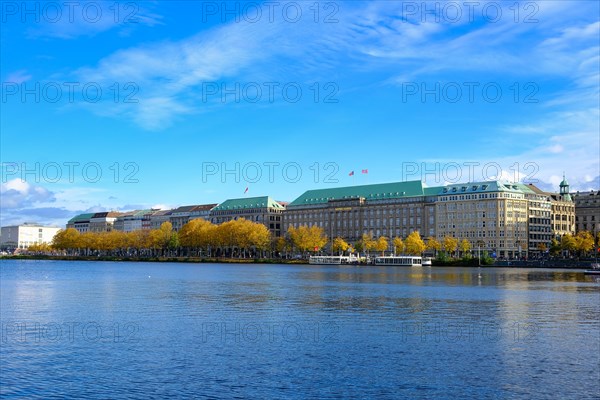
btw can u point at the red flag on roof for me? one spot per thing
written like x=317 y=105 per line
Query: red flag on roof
x=365 y=171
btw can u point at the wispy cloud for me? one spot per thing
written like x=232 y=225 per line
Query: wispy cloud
x=18 y=77
x=369 y=37
x=70 y=20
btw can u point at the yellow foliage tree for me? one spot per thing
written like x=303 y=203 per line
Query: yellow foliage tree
x=433 y=244
x=339 y=245
x=584 y=241
x=307 y=239
x=398 y=245
x=66 y=239
x=368 y=242
x=464 y=246
x=381 y=244
x=414 y=244
x=450 y=244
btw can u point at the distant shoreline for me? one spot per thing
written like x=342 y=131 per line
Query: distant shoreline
x=215 y=260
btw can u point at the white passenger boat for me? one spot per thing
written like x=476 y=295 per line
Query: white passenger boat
x=399 y=261
x=426 y=261
x=332 y=260
x=595 y=270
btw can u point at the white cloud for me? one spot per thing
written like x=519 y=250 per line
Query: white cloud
x=17 y=193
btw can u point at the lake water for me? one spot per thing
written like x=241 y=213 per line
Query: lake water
x=156 y=330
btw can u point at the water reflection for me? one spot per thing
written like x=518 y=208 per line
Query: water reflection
x=280 y=331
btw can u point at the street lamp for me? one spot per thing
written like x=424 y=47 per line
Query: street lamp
x=479 y=244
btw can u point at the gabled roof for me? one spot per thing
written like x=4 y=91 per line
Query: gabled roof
x=380 y=191
x=246 y=203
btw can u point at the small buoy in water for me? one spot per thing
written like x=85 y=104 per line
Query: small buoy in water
x=148 y=276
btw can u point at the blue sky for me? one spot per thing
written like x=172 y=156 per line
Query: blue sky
x=269 y=90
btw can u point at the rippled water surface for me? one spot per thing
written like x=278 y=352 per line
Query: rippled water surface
x=156 y=330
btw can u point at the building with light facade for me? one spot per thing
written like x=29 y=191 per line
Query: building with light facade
x=562 y=211
x=80 y=222
x=103 y=221
x=184 y=214
x=134 y=220
x=587 y=211
x=507 y=219
x=389 y=209
x=263 y=210
x=159 y=217
x=23 y=236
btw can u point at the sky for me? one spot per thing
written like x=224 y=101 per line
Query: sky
x=129 y=105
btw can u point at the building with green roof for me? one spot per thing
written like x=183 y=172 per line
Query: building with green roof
x=261 y=209
x=80 y=222
x=384 y=209
x=492 y=215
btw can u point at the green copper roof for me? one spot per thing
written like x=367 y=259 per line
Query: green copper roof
x=404 y=189
x=483 y=187
x=432 y=191
x=378 y=191
x=81 y=217
x=564 y=182
x=248 y=203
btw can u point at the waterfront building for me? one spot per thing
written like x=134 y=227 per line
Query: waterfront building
x=159 y=217
x=103 y=221
x=562 y=210
x=540 y=223
x=134 y=220
x=184 y=214
x=24 y=235
x=587 y=211
x=389 y=209
x=80 y=222
x=263 y=210
x=493 y=216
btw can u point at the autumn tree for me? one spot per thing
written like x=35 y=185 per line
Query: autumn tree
x=433 y=244
x=450 y=244
x=398 y=245
x=307 y=238
x=464 y=247
x=568 y=243
x=381 y=244
x=584 y=241
x=358 y=246
x=368 y=242
x=282 y=245
x=542 y=247
x=414 y=244
x=66 y=239
x=259 y=236
x=339 y=245
x=39 y=248
x=555 y=247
